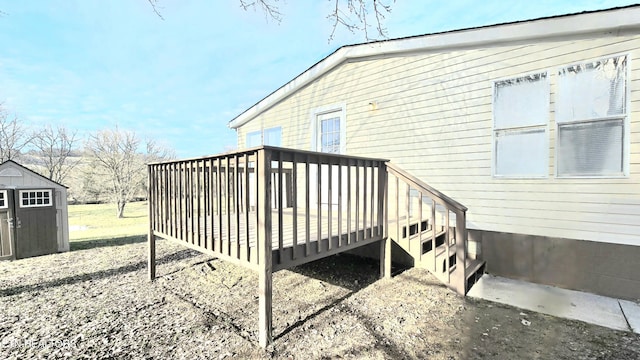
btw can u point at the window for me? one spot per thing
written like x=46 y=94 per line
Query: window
x=328 y=129
x=271 y=136
x=35 y=198
x=4 y=201
x=329 y=133
x=521 y=113
x=591 y=118
x=254 y=139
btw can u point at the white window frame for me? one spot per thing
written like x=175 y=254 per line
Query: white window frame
x=4 y=202
x=262 y=133
x=626 y=132
x=520 y=129
x=315 y=131
x=35 y=199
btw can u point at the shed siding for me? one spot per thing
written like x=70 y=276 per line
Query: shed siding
x=434 y=119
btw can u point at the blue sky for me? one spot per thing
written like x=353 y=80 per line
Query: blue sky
x=94 y=64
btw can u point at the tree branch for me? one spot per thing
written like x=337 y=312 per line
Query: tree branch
x=155 y=6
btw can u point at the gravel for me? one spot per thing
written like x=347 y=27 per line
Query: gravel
x=98 y=303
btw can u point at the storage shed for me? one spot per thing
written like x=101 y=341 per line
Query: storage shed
x=34 y=219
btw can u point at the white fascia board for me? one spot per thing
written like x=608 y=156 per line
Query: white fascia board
x=609 y=21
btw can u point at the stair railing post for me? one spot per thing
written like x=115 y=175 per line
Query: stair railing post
x=461 y=252
x=264 y=247
x=383 y=222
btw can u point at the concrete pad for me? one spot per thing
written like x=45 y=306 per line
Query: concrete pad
x=631 y=311
x=569 y=304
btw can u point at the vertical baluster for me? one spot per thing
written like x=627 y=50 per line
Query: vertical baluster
x=433 y=234
x=212 y=191
x=319 y=205
x=294 y=204
x=397 y=208
x=330 y=203
x=182 y=195
x=228 y=192
x=407 y=203
x=198 y=202
x=280 y=193
x=247 y=206
x=340 y=239
x=220 y=196
x=447 y=243
x=307 y=226
x=349 y=236
x=420 y=224
x=357 y=200
x=364 y=199
x=372 y=198
x=237 y=202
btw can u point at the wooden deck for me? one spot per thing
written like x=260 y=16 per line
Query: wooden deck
x=271 y=208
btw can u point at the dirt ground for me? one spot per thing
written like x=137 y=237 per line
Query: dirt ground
x=98 y=303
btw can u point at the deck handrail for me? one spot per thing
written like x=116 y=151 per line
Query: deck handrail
x=414 y=181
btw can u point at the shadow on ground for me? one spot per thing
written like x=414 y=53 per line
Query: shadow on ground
x=178 y=256
x=97 y=243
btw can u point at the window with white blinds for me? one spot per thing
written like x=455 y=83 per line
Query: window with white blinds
x=520 y=114
x=591 y=118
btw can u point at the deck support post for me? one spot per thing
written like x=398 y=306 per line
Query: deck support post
x=264 y=248
x=383 y=221
x=151 y=236
x=385 y=258
x=461 y=253
x=152 y=256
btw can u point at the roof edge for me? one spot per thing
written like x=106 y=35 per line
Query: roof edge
x=33 y=172
x=597 y=21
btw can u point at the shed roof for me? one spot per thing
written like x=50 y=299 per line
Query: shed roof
x=7 y=166
x=615 y=21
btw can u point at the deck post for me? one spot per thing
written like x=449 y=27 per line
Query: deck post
x=151 y=237
x=264 y=247
x=461 y=252
x=383 y=221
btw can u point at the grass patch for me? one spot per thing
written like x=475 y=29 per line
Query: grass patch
x=96 y=225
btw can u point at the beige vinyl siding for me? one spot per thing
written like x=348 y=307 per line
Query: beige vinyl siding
x=433 y=118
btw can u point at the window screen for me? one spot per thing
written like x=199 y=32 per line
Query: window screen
x=521 y=112
x=591 y=118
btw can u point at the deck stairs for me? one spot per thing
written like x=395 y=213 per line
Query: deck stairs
x=440 y=261
x=422 y=221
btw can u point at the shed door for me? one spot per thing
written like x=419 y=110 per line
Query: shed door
x=6 y=240
x=35 y=223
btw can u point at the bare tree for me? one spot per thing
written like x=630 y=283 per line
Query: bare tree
x=359 y=15
x=353 y=15
x=54 y=147
x=118 y=158
x=13 y=136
